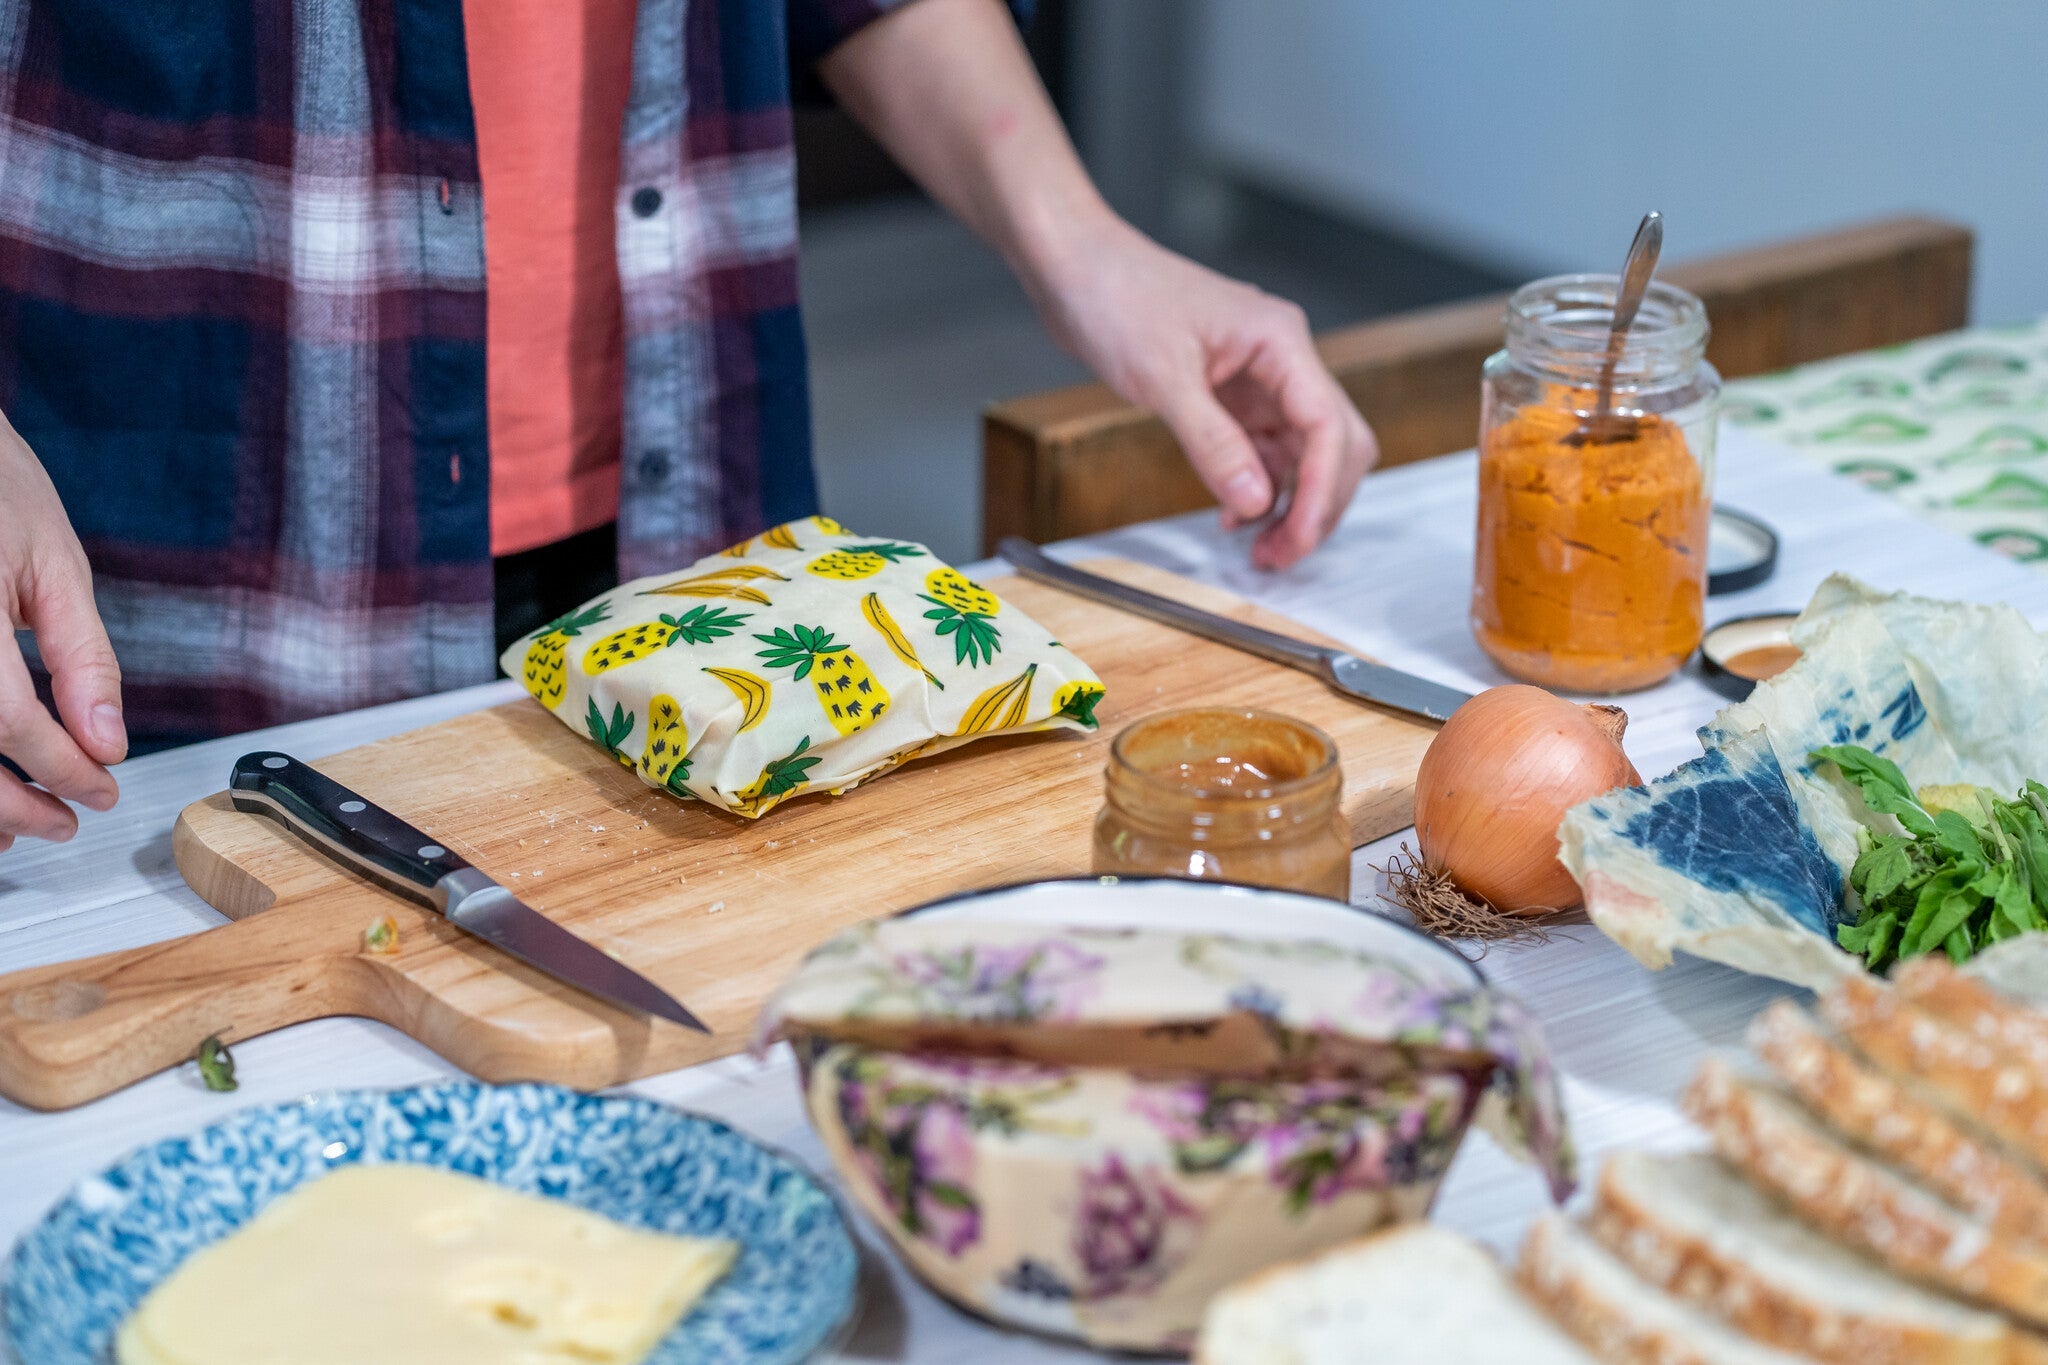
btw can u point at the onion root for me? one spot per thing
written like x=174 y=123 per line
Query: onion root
x=1441 y=910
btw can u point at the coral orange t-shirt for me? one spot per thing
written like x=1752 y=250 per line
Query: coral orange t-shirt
x=548 y=82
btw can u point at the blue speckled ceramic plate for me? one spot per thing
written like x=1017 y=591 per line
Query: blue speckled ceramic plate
x=77 y=1274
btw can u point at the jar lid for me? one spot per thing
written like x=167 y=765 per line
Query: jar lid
x=1742 y=551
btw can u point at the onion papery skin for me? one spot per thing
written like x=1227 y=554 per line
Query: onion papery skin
x=1495 y=784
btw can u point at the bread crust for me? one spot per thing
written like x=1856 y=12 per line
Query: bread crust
x=1901 y=1123
x=1605 y=1328
x=1696 y=1271
x=1970 y=1075
x=2014 y=1028
x=1838 y=1191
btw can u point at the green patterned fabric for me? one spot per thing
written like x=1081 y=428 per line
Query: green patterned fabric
x=1955 y=426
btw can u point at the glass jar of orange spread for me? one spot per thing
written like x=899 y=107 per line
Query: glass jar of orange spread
x=1226 y=795
x=1591 y=566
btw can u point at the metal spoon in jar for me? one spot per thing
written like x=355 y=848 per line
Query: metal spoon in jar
x=1601 y=424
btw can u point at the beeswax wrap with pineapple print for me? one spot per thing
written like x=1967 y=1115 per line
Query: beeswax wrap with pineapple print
x=805 y=659
x=1954 y=426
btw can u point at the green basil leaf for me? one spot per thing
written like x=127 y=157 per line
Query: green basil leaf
x=1882 y=931
x=1883 y=786
x=1954 y=913
x=1954 y=832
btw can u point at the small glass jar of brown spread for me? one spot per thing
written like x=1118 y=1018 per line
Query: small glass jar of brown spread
x=1591 y=565
x=1226 y=795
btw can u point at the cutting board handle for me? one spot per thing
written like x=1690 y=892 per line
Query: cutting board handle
x=74 y=1031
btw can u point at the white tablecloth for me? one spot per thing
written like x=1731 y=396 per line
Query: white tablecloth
x=1393 y=583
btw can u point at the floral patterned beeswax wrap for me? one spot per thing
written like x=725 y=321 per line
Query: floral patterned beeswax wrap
x=1108 y=1206
x=1055 y=1126
x=1104 y=997
x=804 y=659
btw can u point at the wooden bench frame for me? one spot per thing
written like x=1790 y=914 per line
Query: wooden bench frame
x=1074 y=461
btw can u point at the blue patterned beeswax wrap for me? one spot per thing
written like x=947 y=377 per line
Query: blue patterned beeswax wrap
x=1742 y=855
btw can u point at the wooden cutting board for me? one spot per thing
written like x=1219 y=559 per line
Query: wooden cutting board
x=715 y=908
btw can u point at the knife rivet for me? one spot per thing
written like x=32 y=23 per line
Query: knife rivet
x=433 y=851
x=276 y=761
x=352 y=807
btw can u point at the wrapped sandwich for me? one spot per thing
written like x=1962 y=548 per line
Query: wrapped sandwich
x=804 y=659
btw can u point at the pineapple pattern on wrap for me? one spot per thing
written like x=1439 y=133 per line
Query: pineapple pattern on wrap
x=547 y=658
x=1076 y=701
x=862 y=561
x=845 y=686
x=610 y=735
x=779 y=780
x=966 y=611
x=699 y=625
x=664 y=760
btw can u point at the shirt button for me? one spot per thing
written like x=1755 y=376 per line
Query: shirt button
x=646 y=201
x=654 y=465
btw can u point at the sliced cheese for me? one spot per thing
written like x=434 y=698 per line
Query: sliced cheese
x=411 y=1265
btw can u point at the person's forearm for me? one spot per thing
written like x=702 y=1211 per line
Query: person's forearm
x=947 y=87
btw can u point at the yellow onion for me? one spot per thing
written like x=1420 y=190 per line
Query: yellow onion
x=1495 y=784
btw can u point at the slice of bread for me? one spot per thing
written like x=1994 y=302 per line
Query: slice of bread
x=1412 y=1295
x=1838 y=1190
x=1691 y=1225
x=1901 y=1122
x=1618 y=1316
x=1970 y=1075
x=2013 y=1027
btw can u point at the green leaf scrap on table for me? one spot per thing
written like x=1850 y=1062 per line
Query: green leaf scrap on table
x=1969 y=870
x=216 y=1064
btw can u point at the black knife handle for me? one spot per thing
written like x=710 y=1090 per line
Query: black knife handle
x=365 y=836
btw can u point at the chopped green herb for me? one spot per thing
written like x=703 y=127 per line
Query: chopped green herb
x=216 y=1064
x=1969 y=870
x=381 y=936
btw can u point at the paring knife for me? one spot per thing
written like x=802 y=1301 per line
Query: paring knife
x=1347 y=673
x=377 y=843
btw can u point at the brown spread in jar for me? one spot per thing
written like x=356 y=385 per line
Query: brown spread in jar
x=1762 y=661
x=1244 y=796
x=1591 y=568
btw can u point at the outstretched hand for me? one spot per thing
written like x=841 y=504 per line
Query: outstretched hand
x=1231 y=370
x=947 y=87
x=46 y=588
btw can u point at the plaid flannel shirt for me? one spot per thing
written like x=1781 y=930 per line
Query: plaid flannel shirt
x=242 y=325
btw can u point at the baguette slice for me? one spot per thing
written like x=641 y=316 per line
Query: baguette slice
x=1619 y=1317
x=1412 y=1295
x=1839 y=1191
x=2013 y=1027
x=1692 y=1226
x=1900 y=1122
x=1971 y=1076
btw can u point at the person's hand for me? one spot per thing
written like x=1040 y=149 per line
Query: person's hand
x=1231 y=370
x=948 y=88
x=46 y=587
